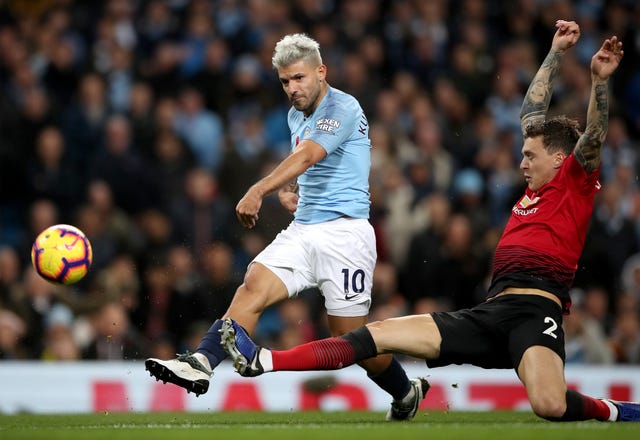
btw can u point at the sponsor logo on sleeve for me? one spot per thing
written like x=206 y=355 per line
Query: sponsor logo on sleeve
x=327 y=125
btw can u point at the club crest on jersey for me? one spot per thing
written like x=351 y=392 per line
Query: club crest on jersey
x=306 y=132
x=527 y=201
x=327 y=125
x=525 y=206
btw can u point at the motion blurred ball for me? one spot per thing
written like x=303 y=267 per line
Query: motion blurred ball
x=62 y=254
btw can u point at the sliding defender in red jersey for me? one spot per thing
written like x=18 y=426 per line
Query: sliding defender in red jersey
x=519 y=325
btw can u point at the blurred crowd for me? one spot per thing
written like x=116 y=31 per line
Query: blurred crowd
x=142 y=122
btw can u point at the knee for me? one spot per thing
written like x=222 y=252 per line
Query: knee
x=549 y=406
x=248 y=299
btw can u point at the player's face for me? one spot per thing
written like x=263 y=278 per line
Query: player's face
x=538 y=165
x=303 y=84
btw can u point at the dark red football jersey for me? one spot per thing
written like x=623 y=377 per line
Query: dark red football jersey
x=544 y=238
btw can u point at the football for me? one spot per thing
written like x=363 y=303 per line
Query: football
x=62 y=254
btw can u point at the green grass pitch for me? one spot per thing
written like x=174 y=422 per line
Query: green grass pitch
x=305 y=426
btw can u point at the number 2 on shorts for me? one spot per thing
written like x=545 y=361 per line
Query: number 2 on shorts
x=552 y=327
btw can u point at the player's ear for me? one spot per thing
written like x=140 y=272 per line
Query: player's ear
x=558 y=158
x=322 y=72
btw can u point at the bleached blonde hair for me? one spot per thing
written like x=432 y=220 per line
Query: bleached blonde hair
x=295 y=47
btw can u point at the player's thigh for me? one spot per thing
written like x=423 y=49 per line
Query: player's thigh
x=287 y=258
x=261 y=288
x=414 y=335
x=541 y=370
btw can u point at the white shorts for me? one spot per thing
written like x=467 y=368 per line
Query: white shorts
x=337 y=256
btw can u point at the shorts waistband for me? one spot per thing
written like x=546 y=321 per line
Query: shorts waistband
x=529 y=291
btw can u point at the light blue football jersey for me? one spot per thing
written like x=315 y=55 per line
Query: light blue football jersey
x=338 y=185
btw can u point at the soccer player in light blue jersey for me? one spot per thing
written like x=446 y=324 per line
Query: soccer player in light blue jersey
x=330 y=243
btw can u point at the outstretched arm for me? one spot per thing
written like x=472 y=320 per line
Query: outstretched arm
x=603 y=64
x=536 y=102
x=306 y=154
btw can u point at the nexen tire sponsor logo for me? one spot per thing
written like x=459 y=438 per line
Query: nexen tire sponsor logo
x=326 y=124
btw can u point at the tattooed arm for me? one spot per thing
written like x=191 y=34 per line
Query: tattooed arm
x=603 y=64
x=536 y=102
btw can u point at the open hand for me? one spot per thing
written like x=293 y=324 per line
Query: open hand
x=607 y=59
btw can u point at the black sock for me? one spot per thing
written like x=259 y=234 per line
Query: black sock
x=393 y=380
x=362 y=343
x=581 y=407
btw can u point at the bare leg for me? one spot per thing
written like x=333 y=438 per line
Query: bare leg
x=414 y=335
x=542 y=372
x=261 y=289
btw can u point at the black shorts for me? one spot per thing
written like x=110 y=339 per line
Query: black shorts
x=496 y=333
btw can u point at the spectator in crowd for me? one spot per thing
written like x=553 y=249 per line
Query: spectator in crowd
x=389 y=301
x=59 y=340
x=625 y=334
x=41 y=214
x=38 y=301
x=157 y=234
x=62 y=73
x=12 y=331
x=612 y=239
x=295 y=325
x=35 y=112
x=139 y=109
x=83 y=122
x=502 y=185
x=50 y=176
x=10 y=274
x=156 y=23
x=468 y=192
x=424 y=248
x=118 y=226
x=504 y=105
x=585 y=338
x=104 y=245
x=172 y=161
x=213 y=79
x=203 y=214
x=120 y=165
x=220 y=279
x=114 y=336
x=200 y=128
x=597 y=304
